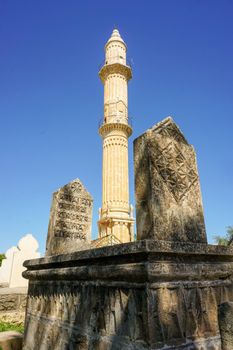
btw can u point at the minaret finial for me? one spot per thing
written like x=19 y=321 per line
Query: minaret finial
x=115 y=36
x=115 y=32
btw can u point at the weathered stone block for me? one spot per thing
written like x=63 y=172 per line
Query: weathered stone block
x=70 y=219
x=12 y=299
x=13 y=305
x=11 y=340
x=133 y=296
x=167 y=189
x=225 y=318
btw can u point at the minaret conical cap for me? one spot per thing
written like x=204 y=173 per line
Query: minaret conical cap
x=115 y=37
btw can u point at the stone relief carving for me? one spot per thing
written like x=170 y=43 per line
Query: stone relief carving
x=178 y=172
x=174 y=314
x=167 y=189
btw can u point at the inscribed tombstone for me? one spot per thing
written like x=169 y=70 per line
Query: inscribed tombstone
x=70 y=219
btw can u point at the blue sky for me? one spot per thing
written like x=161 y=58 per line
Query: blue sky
x=51 y=98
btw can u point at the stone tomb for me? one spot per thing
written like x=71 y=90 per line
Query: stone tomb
x=160 y=293
x=167 y=188
x=70 y=219
x=140 y=295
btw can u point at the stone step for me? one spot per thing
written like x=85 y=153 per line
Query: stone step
x=11 y=340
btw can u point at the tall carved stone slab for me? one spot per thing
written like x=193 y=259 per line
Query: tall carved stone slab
x=70 y=219
x=168 y=196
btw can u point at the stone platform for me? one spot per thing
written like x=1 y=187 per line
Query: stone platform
x=141 y=295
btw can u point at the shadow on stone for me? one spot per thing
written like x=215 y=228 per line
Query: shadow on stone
x=86 y=317
x=225 y=318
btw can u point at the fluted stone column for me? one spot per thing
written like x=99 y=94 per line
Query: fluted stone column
x=116 y=214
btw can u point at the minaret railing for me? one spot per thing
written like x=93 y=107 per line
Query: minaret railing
x=115 y=120
x=117 y=60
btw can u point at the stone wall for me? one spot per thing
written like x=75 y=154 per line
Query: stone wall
x=12 y=266
x=13 y=305
x=142 y=295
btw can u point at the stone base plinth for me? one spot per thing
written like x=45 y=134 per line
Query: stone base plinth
x=142 y=295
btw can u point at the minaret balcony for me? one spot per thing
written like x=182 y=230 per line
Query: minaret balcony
x=115 y=68
x=116 y=120
x=111 y=123
x=116 y=59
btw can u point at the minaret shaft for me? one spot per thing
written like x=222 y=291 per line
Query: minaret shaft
x=116 y=217
x=115 y=171
x=115 y=96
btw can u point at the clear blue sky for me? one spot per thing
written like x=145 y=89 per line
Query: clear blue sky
x=51 y=98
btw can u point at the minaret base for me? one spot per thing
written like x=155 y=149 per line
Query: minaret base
x=114 y=230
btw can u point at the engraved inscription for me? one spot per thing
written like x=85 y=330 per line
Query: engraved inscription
x=70 y=219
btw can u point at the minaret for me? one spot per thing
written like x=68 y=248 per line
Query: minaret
x=116 y=215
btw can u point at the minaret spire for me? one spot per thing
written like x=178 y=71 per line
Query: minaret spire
x=116 y=215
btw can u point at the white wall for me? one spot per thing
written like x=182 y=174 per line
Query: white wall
x=12 y=267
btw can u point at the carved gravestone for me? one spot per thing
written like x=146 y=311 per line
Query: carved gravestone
x=168 y=196
x=70 y=219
